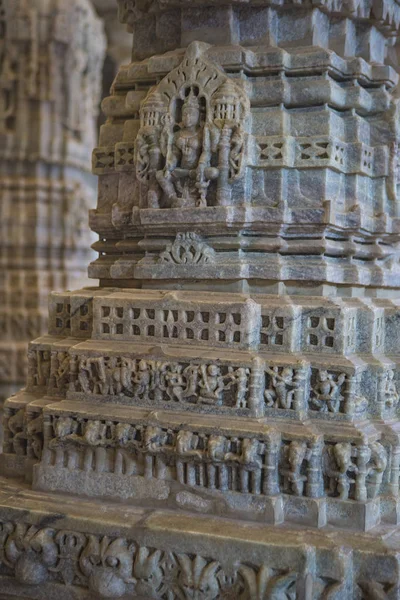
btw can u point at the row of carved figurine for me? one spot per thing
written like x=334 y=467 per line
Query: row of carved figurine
x=248 y=465
x=112 y=567
x=237 y=387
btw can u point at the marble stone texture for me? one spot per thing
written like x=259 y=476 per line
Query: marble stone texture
x=220 y=418
x=51 y=56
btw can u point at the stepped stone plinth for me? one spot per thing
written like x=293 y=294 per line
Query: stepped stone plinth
x=220 y=418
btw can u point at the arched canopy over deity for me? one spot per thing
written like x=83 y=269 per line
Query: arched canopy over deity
x=191 y=145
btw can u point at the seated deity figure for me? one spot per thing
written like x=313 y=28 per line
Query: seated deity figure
x=187 y=172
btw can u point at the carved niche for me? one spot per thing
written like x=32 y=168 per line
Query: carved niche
x=191 y=146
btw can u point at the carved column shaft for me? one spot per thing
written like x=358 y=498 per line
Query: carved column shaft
x=50 y=62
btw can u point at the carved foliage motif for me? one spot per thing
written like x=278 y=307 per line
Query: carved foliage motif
x=192 y=143
x=187 y=249
x=116 y=567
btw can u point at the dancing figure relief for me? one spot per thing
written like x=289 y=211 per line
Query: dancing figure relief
x=282 y=388
x=160 y=381
x=326 y=393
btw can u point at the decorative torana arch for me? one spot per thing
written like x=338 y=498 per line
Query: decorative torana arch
x=192 y=142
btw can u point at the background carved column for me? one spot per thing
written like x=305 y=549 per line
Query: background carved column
x=51 y=56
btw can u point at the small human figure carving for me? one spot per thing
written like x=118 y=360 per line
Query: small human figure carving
x=85 y=374
x=211 y=385
x=391 y=394
x=34 y=430
x=141 y=379
x=176 y=383
x=216 y=448
x=149 y=161
x=43 y=367
x=376 y=467
x=282 y=388
x=326 y=392
x=16 y=425
x=294 y=455
x=186 y=442
x=249 y=454
x=236 y=152
x=240 y=378
x=154 y=439
x=127 y=369
x=62 y=371
x=340 y=464
x=63 y=427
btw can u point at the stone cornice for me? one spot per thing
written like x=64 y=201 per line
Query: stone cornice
x=384 y=14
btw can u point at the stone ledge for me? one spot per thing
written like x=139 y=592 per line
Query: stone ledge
x=301 y=561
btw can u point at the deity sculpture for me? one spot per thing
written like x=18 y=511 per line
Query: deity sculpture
x=191 y=145
x=187 y=172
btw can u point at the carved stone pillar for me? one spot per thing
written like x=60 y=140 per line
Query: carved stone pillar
x=229 y=395
x=51 y=56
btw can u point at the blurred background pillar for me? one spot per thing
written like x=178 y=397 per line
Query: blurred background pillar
x=119 y=45
x=51 y=60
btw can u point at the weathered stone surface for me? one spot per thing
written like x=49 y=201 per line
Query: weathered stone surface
x=228 y=398
x=50 y=62
x=67 y=554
